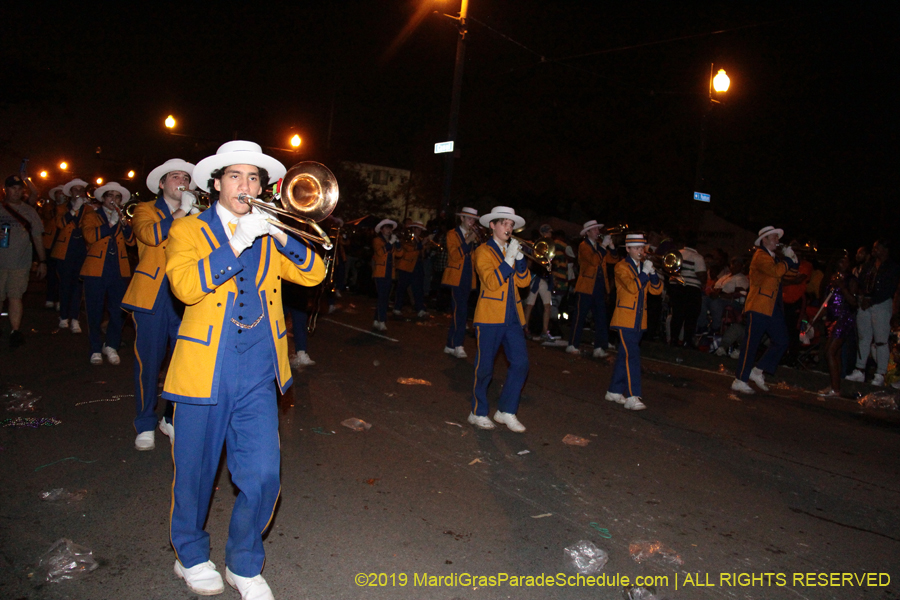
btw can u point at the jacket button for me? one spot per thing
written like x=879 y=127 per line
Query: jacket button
x=240 y=318
x=216 y=276
x=219 y=304
x=241 y=304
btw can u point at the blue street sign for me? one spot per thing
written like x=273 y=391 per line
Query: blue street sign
x=443 y=147
x=701 y=197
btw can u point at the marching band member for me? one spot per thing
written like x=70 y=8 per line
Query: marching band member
x=460 y=277
x=51 y=213
x=69 y=251
x=542 y=286
x=633 y=281
x=411 y=271
x=501 y=268
x=156 y=312
x=383 y=247
x=227 y=264
x=106 y=270
x=764 y=310
x=591 y=286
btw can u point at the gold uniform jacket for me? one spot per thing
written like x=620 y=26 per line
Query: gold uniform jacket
x=200 y=265
x=765 y=279
x=408 y=256
x=97 y=234
x=381 y=249
x=457 y=251
x=592 y=261
x=65 y=229
x=631 y=295
x=151 y=224
x=496 y=287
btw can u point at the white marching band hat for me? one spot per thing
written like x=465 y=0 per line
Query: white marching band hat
x=502 y=212
x=384 y=222
x=417 y=224
x=768 y=230
x=468 y=211
x=67 y=189
x=592 y=224
x=52 y=192
x=173 y=164
x=635 y=239
x=237 y=152
x=112 y=186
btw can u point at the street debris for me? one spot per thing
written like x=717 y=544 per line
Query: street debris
x=640 y=593
x=734 y=397
x=373 y=480
x=64 y=460
x=523 y=452
x=60 y=494
x=321 y=431
x=643 y=550
x=604 y=533
x=115 y=398
x=587 y=558
x=542 y=516
x=32 y=422
x=476 y=460
x=574 y=440
x=356 y=424
x=880 y=399
x=412 y=381
x=454 y=424
x=18 y=399
x=64 y=560
x=722 y=369
x=784 y=385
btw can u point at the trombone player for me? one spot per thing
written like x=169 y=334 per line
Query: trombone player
x=592 y=286
x=227 y=264
x=460 y=277
x=156 y=312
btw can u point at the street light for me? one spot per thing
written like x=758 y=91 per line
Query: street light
x=130 y=174
x=63 y=165
x=43 y=174
x=454 y=102
x=296 y=141
x=718 y=84
x=170 y=122
x=99 y=181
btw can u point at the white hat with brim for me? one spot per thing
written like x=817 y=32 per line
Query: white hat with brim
x=592 y=224
x=173 y=164
x=384 y=222
x=417 y=224
x=502 y=212
x=67 y=189
x=237 y=152
x=52 y=193
x=468 y=211
x=112 y=186
x=768 y=230
x=635 y=239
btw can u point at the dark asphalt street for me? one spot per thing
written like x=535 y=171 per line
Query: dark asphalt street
x=781 y=483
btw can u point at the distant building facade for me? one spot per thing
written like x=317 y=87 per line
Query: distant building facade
x=395 y=184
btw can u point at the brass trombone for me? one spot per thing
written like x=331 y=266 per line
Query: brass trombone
x=204 y=199
x=541 y=252
x=309 y=192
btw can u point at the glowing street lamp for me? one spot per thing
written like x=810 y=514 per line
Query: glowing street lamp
x=721 y=81
x=170 y=122
x=130 y=174
x=296 y=141
x=99 y=181
x=64 y=165
x=718 y=84
x=43 y=174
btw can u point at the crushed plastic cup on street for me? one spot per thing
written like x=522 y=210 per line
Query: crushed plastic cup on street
x=65 y=560
x=412 y=381
x=639 y=593
x=644 y=550
x=586 y=557
x=574 y=440
x=356 y=424
x=61 y=495
x=880 y=399
x=18 y=399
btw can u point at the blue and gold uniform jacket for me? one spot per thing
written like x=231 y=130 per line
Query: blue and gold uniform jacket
x=201 y=266
x=765 y=277
x=408 y=255
x=382 y=258
x=498 y=285
x=150 y=224
x=98 y=233
x=631 y=295
x=592 y=261
x=68 y=227
x=458 y=253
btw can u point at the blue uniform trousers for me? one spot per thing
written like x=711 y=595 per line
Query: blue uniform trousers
x=459 y=295
x=153 y=334
x=383 y=287
x=490 y=338
x=70 y=285
x=596 y=303
x=757 y=325
x=246 y=419
x=626 y=379
x=107 y=290
x=416 y=279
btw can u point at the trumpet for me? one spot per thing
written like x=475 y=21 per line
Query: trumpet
x=670 y=264
x=129 y=209
x=309 y=191
x=541 y=252
x=204 y=199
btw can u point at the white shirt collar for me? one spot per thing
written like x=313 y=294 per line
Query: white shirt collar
x=225 y=217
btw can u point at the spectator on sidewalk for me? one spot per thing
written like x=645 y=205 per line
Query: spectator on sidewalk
x=841 y=318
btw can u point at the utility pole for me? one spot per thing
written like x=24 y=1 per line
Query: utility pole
x=454 y=105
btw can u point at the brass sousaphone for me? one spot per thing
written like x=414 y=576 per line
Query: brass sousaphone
x=308 y=193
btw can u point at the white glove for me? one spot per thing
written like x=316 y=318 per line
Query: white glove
x=394 y=239
x=249 y=227
x=113 y=218
x=77 y=203
x=188 y=199
x=648 y=268
x=789 y=253
x=519 y=256
x=273 y=229
x=512 y=251
x=607 y=242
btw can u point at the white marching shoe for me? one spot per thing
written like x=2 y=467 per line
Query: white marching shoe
x=741 y=386
x=251 y=588
x=480 y=422
x=634 y=403
x=510 y=420
x=111 y=355
x=759 y=378
x=614 y=397
x=168 y=429
x=202 y=579
x=145 y=440
x=301 y=359
x=600 y=353
x=75 y=326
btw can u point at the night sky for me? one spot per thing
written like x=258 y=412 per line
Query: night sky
x=571 y=109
